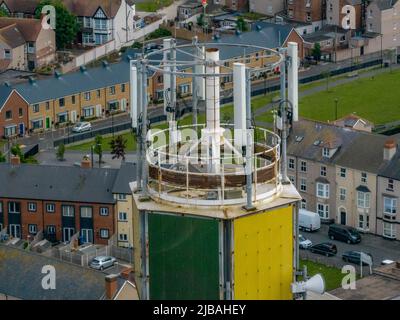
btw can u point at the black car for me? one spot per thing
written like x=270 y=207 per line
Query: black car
x=328 y=249
x=354 y=257
x=344 y=233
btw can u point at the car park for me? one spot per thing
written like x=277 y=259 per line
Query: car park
x=354 y=257
x=304 y=243
x=344 y=233
x=82 y=127
x=327 y=249
x=102 y=262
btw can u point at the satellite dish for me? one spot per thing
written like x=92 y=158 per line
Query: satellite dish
x=315 y=284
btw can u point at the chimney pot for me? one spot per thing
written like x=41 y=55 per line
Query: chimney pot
x=86 y=163
x=111 y=285
x=15 y=160
x=389 y=149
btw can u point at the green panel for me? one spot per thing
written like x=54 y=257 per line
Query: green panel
x=183 y=257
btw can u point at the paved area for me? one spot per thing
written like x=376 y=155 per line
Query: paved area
x=378 y=247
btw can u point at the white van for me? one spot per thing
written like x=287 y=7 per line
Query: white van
x=308 y=220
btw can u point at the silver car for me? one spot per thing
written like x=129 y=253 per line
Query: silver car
x=82 y=127
x=102 y=262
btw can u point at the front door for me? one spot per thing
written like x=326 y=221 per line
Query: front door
x=68 y=233
x=73 y=116
x=87 y=235
x=15 y=230
x=47 y=123
x=343 y=217
x=21 y=129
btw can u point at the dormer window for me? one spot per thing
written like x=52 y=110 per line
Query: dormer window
x=326 y=152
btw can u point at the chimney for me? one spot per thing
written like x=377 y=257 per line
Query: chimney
x=125 y=274
x=389 y=149
x=111 y=286
x=15 y=160
x=86 y=163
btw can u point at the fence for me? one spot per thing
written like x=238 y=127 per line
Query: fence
x=81 y=257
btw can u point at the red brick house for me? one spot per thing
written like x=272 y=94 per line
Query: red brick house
x=13 y=112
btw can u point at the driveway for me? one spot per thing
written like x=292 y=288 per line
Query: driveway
x=378 y=247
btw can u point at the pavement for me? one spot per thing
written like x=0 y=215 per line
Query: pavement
x=378 y=247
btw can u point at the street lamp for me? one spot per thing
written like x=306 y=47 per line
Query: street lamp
x=336 y=108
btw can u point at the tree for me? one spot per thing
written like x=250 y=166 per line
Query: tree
x=118 y=146
x=3 y=13
x=2 y=157
x=66 y=23
x=60 y=152
x=241 y=25
x=316 y=52
x=17 y=152
x=98 y=147
x=201 y=20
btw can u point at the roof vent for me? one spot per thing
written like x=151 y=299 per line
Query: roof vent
x=129 y=57
x=317 y=142
x=105 y=63
x=31 y=80
x=258 y=27
x=299 y=138
x=7 y=84
x=57 y=74
x=83 y=69
x=237 y=32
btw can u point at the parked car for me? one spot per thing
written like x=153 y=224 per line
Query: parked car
x=82 y=127
x=344 y=233
x=309 y=221
x=304 y=243
x=102 y=262
x=354 y=257
x=328 y=249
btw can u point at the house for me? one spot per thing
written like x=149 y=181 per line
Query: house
x=58 y=200
x=123 y=211
x=337 y=10
x=189 y=9
x=237 y=5
x=39 y=44
x=313 y=149
x=72 y=281
x=103 y=20
x=308 y=11
x=12 y=49
x=266 y=7
x=13 y=112
x=355 y=122
x=20 y=8
x=85 y=94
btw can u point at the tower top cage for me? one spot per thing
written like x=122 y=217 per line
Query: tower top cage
x=218 y=162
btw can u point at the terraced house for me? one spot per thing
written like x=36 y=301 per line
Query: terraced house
x=86 y=94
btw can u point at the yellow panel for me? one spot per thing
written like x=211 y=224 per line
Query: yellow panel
x=263 y=255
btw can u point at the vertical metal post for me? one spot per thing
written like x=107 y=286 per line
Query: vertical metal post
x=144 y=128
x=194 y=84
x=249 y=144
x=139 y=134
x=283 y=110
x=171 y=116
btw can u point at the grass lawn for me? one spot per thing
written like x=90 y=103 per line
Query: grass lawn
x=374 y=98
x=131 y=144
x=333 y=276
x=152 y=5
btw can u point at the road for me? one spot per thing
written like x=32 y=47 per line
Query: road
x=378 y=247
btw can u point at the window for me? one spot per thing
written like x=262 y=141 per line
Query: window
x=8 y=115
x=303 y=166
x=363 y=177
x=104 y=233
x=112 y=90
x=7 y=54
x=14 y=207
x=323 y=210
x=86 y=212
x=303 y=185
x=61 y=102
x=323 y=190
x=122 y=216
x=32 y=228
x=37 y=124
x=47 y=105
x=32 y=207
x=87 y=96
x=122 y=237
x=325 y=152
x=323 y=171
x=291 y=164
x=10 y=131
x=1 y=207
x=88 y=112
x=343 y=172
x=184 y=89
x=50 y=207
x=104 y=211
x=51 y=229
x=121 y=196
x=291 y=178
x=390 y=184
x=68 y=211
x=98 y=93
x=389 y=230
x=342 y=194
x=363 y=199
x=123 y=87
x=389 y=205
x=73 y=99
x=20 y=112
x=303 y=204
